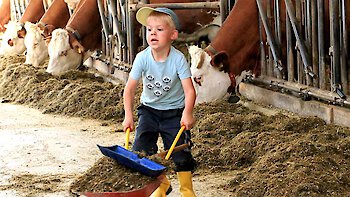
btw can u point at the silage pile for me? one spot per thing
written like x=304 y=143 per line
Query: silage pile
x=279 y=155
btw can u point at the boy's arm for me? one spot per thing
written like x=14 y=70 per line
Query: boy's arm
x=129 y=95
x=190 y=98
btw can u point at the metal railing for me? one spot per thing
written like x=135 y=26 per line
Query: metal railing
x=294 y=54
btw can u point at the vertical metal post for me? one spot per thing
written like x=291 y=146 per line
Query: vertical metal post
x=270 y=67
x=130 y=32
x=290 y=54
x=321 y=50
x=335 y=43
x=314 y=41
x=298 y=23
x=343 y=49
x=307 y=18
x=262 y=49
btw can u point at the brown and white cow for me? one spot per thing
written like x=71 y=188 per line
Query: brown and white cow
x=71 y=46
x=56 y=16
x=13 y=39
x=5 y=14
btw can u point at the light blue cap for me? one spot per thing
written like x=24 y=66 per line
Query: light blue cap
x=143 y=13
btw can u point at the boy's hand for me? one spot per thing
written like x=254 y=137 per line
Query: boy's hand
x=128 y=123
x=187 y=120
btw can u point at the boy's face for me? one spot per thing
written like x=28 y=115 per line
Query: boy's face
x=159 y=33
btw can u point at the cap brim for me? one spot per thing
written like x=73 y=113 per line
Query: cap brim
x=142 y=15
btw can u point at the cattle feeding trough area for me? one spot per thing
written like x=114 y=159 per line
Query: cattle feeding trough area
x=282 y=45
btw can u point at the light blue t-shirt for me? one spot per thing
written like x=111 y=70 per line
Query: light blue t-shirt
x=162 y=88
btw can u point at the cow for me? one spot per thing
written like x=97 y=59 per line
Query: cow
x=5 y=14
x=56 y=16
x=235 y=48
x=13 y=42
x=71 y=46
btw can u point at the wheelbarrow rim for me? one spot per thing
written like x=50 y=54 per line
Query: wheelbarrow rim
x=145 y=191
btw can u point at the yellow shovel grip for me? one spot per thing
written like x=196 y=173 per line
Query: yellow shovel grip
x=127 y=138
x=174 y=143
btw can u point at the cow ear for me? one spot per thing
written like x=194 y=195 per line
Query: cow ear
x=220 y=61
x=21 y=33
x=75 y=44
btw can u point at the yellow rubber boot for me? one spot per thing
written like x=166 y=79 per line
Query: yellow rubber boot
x=186 y=187
x=163 y=189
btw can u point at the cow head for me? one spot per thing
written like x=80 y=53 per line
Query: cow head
x=11 y=44
x=62 y=56
x=210 y=83
x=36 y=48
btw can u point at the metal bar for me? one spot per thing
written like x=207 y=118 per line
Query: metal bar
x=130 y=32
x=274 y=48
x=103 y=18
x=301 y=45
x=298 y=14
x=18 y=10
x=335 y=42
x=120 y=36
x=290 y=55
x=314 y=41
x=270 y=67
x=223 y=10
x=344 y=50
x=321 y=50
x=278 y=34
x=262 y=50
x=302 y=90
x=196 y=5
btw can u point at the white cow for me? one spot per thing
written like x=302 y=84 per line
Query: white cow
x=210 y=83
x=62 y=56
x=11 y=44
x=37 y=50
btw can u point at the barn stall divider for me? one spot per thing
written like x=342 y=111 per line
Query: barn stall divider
x=305 y=55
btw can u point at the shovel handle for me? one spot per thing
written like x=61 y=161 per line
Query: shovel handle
x=174 y=142
x=127 y=137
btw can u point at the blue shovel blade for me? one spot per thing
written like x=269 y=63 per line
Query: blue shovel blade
x=132 y=161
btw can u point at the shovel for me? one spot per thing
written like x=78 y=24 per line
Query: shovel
x=142 y=165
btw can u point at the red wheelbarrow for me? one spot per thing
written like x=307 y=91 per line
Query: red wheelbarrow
x=142 y=165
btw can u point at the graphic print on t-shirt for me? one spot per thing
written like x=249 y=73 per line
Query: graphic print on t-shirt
x=158 y=87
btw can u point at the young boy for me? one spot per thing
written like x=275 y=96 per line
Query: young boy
x=168 y=95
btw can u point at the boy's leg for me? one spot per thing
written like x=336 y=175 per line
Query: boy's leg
x=147 y=133
x=183 y=159
x=146 y=136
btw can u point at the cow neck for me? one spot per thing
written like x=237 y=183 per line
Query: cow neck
x=74 y=32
